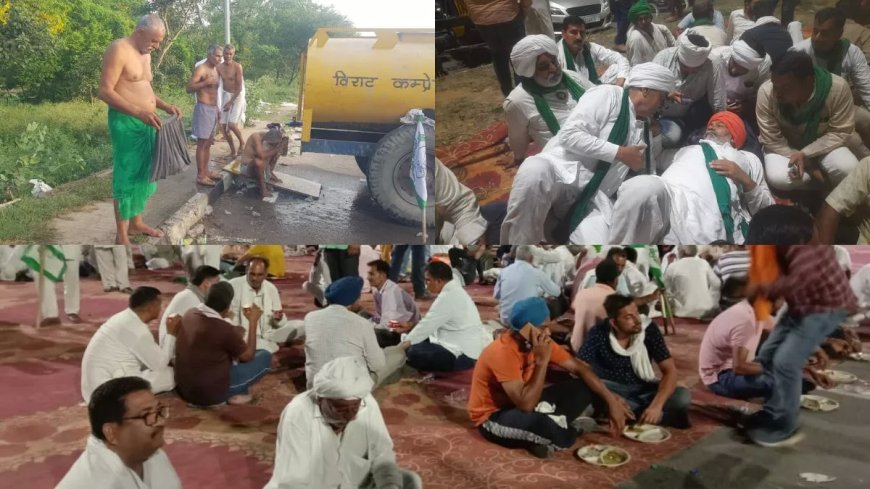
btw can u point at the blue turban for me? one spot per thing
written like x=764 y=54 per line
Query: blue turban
x=344 y=291
x=533 y=310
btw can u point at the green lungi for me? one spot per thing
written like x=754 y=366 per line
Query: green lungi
x=132 y=145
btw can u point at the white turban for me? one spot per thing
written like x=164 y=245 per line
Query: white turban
x=343 y=378
x=689 y=54
x=745 y=56
x=653 y=76
x=524 y=55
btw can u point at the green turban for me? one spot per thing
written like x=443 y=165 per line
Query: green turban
x=638 y=9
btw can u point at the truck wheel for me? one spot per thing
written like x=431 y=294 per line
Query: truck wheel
x=363 y=163
x=389 y=175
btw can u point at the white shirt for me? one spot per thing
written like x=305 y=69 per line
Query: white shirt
x=202 y=255
x=267 y=299
x=738 y=23
x=395 y=305
x=693 y=285
x=860 y=282
x=715 y=35
x=631 y=281
x=309 y=455
x=601 y=56
x=642 y=47
x=335 y=332
x=855 y=69
x=525 y=122
x=556 y=263
x=695 y=215
x=123 y=346
x=745 y=86
x=452 y=322
x=843 y=258
x=180 y=303
x=708 y=82
x=98 y=467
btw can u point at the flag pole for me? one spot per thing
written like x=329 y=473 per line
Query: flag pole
x=425 y=237
x=40 y=285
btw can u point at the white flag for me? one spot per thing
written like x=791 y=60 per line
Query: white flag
x=418 y=162
x=54 y=265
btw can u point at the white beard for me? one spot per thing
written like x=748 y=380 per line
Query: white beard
x=549 y=82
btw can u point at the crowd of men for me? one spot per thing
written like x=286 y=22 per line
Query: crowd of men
x=778 y=315
x=687 y=137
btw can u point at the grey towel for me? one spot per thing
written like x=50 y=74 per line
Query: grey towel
x=170 y=150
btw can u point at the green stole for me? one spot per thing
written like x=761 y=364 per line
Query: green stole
x=833 y=60
x=703 y=21
x=587 y=61
x=811 y=112
x=537 y=92
x=618 y=135
x=723 y=195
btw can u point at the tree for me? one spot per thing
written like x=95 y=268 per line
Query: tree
x=179 y=16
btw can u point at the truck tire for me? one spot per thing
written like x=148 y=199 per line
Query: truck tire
x=389 y=175
x=363 y=163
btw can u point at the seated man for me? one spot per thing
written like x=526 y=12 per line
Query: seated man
x=273 y=329
x=588 y=304
x=213 y=363
x=619 y=350
x=767 y=37
x=857 y=20
x=692 y=284
x=393 y=304
x=645 y=39
x=124 y=450
x=509 y=403
x=260 y=154
x=745 y=71
x=689 y=20
x=805 y=120
x=740 y=21
x=333 y=435
x=521 y=280
x=537 y=107
x=700 y=87
x=578 y=55
x=124 y=346
x=193 y=295
x=831 y=51
x=703 y=23
x=450 y=336
x=734 y=262
x=456 y=205
x=860 y=283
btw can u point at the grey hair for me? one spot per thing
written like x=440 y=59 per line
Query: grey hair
x=151 y=22
x=524 y=253
x=688 y=250
x=212 y=48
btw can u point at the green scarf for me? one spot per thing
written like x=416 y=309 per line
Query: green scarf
x=723 y=194
x=537 y=92
x=833 y=60
x=811 y=112
x=618 y=135
x=703 y=21
x=587 y=61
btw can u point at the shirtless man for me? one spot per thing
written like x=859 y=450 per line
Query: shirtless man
x=262 y=149
x=125 y=85
x=204 y=82
x=233 y=111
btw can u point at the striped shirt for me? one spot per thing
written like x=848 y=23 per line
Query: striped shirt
x=812 y=281
x=732 y=264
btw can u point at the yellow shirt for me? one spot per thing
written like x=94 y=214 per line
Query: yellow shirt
x=273 y=253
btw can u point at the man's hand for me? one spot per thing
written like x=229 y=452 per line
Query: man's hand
x=736 y=107
x=840 y=347
x=405 y=345
x=541 y=348
x=618 y=411
x=401 y=326
x=819 y=359
x=253 y=313
x=651 y=415
x=174 y=111
x=632 y=156
x=227 y=106
x=149 y=118
x=732 y=170
x=619 y=82
x=173 y=324
x=797 y=164
x=676 y=97
x=821 y=379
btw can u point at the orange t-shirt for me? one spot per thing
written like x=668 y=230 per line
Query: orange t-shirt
x=502 y=361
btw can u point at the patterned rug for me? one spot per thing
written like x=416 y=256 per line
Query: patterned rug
x=44 y=428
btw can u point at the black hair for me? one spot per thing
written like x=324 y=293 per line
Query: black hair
x=763 y=8
x=572 y=20
x=780 y=225
x=831 y=13
x=733 y=284
x=258 y=258
x=202 y=273
x=698 y=40
x=614 y=303
x=219 y=296
x=108 y=402
x=615 y=251
x=440 y=271
x=381 y=266
x=143 y=296
x=630 y=254
x=702 y=8
x=795 y=63
x=606 y=272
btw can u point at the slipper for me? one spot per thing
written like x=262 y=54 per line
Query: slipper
x=205 y=184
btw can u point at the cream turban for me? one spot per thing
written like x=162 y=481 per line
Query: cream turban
x=343 y=378
x=524 y=55
x=653 y=76
x=745 y=56
x=689 y=54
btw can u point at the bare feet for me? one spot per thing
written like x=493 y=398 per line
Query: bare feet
x=215 y=176
x=240 y=399
x=146 y=230
x=208 y=182
x=275 y=179
x=266 y=194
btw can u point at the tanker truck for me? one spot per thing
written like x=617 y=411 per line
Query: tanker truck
x=355 y=86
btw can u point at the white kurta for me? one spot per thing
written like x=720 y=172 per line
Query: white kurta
x=526 y=124
x=309 y=455
x=843 y=258
x=270 y=332
x=641 y=47
x=707 y=82
x=738 y=23
x=10 y=262
x=742 y=87
x=860 y=282
x=618 y=66
x=855 y=69
x=180 y=303
x=552 y=262
x=98 y=467
x=693 y=285
x=198 y=255
x=452 y=322
x=124 y=346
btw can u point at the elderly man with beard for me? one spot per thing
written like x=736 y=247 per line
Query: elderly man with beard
x=574 y=179
x=578 y=55
x=333 y=435
x=713 y=178
x=700 y=87
x=745 y=71
x=645 y=39
x=536 y=109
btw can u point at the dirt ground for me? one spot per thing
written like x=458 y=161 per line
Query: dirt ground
x=469 y=100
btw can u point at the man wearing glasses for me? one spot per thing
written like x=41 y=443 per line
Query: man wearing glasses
x=124 y=449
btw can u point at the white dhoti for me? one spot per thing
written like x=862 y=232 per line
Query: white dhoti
x=10 y=262
x=836 y=165
x=162 y=380
x=71 y=295
x=395 y=360
x=112 y=265
x=236 y=114
x=272 y=339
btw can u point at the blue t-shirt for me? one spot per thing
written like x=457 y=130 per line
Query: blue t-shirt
x=607 y=364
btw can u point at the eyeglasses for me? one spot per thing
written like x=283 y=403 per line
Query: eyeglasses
x=150 y=418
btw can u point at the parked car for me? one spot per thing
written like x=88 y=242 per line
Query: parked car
x=596 y=13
